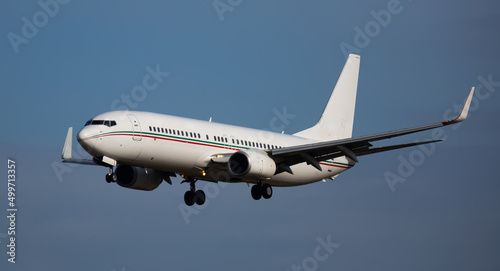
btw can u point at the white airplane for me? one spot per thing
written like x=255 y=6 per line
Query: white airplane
x=142 y=149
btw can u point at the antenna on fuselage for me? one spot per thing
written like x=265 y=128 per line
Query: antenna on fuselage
x=210 y=120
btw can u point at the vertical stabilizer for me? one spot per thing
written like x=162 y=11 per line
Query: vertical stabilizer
x=338 y=116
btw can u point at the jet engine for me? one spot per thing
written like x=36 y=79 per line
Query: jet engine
x=137 y=177
x=253 y=164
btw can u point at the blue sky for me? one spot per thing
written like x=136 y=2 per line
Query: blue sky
x=240 y=62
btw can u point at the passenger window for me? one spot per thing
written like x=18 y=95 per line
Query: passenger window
x=150 y=129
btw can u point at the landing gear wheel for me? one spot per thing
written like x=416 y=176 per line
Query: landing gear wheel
x=267 y=191
x=256 y=192
x=111 y=178
x=199 y=197
x=193 y=196
x=189 y=198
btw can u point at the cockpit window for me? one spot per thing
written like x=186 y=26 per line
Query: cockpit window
x=97 y=122
x=108 y=123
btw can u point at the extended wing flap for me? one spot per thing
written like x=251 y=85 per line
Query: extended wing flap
x=395 y=147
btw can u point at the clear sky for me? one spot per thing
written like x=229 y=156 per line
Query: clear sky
x=241 y=62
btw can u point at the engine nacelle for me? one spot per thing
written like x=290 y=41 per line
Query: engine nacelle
x=137 y=177
x=253 y=164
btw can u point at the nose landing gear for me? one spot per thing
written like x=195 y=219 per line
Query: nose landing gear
x=111 y=177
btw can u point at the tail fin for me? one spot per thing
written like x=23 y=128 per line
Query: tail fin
x=338 y=116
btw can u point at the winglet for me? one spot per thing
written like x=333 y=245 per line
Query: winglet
x=66 y=153
x=465 y=110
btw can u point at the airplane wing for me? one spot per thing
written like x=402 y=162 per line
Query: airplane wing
x=353 y=147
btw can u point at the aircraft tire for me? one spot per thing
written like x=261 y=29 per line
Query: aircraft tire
x=109 y=177
x=189 y=198
x=199 y=197
x=256 y=192
x=267 y=191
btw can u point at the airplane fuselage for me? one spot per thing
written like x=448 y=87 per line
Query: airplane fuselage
x=186 y=146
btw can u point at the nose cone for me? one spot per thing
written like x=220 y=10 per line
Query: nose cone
x=81 y=135
x=86 y=140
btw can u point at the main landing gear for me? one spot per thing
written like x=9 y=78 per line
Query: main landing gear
x=111 y=177
x=193 y=196
x=262 y=191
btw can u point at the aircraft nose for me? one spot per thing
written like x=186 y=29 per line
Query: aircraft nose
x=85 y=139
x=82 y=135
